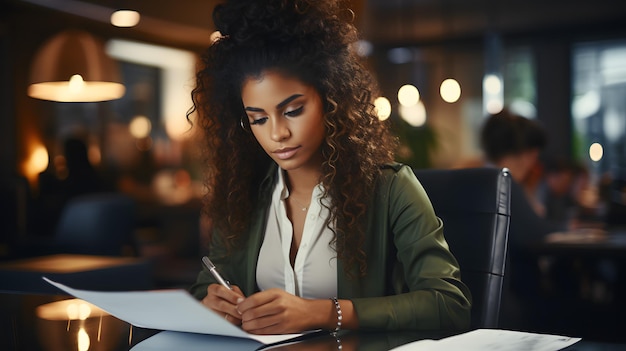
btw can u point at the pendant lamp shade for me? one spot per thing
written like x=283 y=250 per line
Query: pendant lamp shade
x=74 y=67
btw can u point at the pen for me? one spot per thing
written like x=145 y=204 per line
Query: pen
x=215 y=273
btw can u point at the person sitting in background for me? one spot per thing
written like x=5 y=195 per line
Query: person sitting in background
x=512 y=141
x=63 y=181
x=313 y=222
x=559 y=188
x=515 y=142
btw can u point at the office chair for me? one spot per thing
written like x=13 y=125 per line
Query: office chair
x=96 y=224
x=474 y=205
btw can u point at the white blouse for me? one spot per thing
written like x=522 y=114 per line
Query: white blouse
x=314 y=274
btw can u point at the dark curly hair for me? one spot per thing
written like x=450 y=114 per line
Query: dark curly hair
x=310 y=40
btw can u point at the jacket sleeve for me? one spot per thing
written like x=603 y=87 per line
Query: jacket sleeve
x=205 y=278
x=427 y=292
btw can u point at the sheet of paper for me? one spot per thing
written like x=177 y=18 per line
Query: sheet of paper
x=170 y=340
x=172 y=309
x=493 y=339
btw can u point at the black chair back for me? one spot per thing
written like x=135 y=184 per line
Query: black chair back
x=96 y=224
x=474 y=205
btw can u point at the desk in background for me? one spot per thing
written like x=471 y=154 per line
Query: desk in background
x=583 y=282
x=81 y=271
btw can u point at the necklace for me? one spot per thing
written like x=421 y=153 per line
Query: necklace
x=303 y=207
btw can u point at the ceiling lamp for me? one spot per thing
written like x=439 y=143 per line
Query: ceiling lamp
x=73 y=67
x=125 y=18
x=450 y=90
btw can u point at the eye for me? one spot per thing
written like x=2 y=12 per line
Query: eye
x=294 y=113
x=258 y=121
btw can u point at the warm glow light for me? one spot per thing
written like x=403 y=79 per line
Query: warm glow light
x=383 y=107
x=73 y=67
x=72 y=309
x=408 y=95
x=76 y=84
x=178 y=72
x=35 y=161
x=140 y=127
x=595 y=152
x=450 y=90
x=493 y=97
x=78 y=310
x=494 y=106
x=83 y=340
x=84 y=311
x=94 y=154
x=492 y=84
x=125 y=18
x=64 y=92
x=38 y=161
x=414 y=115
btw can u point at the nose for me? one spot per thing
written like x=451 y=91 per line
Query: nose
x=280 y=131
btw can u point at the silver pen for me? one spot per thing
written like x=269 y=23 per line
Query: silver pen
x=211 y=267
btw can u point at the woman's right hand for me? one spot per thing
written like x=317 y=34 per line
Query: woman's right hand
x=224 y=302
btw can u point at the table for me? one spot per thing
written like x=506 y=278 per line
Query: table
x=39 y=322
x=81 y=271
x=583 y=281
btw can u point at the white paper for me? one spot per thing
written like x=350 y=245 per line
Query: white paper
x=493 y=339
x=173 y=309
x=170 y=340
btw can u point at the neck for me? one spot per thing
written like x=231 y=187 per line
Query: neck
x=302 y=181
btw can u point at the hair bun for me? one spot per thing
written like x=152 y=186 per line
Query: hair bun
x=261 y=22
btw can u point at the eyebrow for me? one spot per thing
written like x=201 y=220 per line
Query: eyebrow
x=280 y=104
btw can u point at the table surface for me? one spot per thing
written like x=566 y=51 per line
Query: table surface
x=40 y=323
x=81 y=271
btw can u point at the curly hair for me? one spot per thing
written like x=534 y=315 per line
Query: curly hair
x=309 y=40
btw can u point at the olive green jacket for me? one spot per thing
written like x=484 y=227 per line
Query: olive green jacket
x=412 y=281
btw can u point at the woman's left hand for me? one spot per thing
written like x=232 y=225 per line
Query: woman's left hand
x=275 y=311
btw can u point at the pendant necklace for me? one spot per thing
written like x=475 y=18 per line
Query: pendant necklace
x=303 y=207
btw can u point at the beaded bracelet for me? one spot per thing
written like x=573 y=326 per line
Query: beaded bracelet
x=339 y=315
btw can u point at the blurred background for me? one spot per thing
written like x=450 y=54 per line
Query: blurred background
x=442 y=66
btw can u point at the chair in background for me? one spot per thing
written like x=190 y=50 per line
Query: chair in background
x=96 y=224
x=474 y=205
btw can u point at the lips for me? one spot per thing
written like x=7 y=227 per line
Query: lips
x=286 y=152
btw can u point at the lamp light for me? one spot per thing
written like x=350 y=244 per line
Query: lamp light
x=74 y=67
x=125 y=18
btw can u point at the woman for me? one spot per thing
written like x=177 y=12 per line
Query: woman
x=314 y=224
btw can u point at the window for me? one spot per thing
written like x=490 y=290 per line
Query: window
x=599 y=105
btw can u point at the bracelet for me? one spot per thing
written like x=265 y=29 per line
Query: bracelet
x=338 y=340
x=339 y=315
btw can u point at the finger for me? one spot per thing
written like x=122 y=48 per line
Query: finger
x=261 y=311
x=232 y=319
x=269 y=324
x=224 y=293
x=237 y=290
x=256 y=300
x=222 y=300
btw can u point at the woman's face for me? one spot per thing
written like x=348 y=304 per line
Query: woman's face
x=287 y=119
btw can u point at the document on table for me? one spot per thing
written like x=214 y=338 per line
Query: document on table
x=493 y=339
x=171 y=340
x=174 y=310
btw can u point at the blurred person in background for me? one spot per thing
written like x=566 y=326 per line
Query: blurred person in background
x=515 y=142
x=68 y=177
